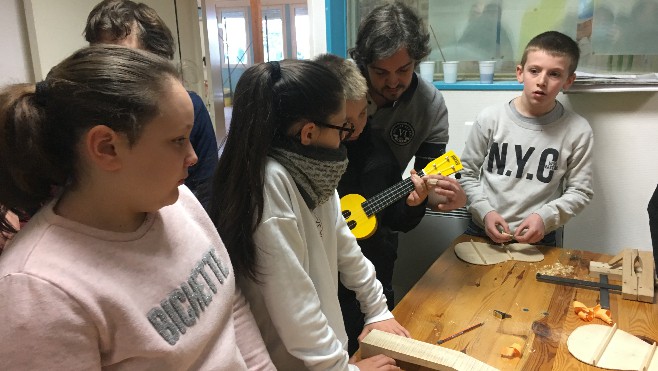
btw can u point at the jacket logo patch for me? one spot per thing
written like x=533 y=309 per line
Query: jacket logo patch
x=401 y=133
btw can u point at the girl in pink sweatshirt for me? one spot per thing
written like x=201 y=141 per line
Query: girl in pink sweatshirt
x=122 y=269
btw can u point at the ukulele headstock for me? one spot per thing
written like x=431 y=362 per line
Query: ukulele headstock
x=449 y=163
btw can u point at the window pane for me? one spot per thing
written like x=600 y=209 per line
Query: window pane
x=234 y=25
x=474 y=30
x=620 y=36
x=273 y=35
x=625 y=27
x=614 y=36
x=302 y=30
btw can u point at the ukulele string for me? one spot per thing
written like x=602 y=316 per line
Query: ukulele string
x=387 y=197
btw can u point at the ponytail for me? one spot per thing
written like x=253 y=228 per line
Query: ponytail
x=236 y=205
x=26 y=172
x=41 y=124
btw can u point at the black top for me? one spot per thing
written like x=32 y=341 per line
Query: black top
x=653 y=224
x=373 y=168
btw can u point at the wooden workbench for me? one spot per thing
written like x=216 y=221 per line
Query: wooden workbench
x=453 y=295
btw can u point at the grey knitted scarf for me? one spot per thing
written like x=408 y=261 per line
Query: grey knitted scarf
x=316 y=170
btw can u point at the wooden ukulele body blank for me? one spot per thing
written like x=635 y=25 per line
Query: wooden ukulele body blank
x=608 y=347
x=482 y=253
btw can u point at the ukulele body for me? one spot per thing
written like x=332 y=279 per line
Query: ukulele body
x=361 y=225
x=359 y=213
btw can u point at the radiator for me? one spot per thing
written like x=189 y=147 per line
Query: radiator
x=420 y=247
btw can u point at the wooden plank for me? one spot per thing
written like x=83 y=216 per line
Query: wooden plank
x=629 y=277
x=645 y=285
x=418 y=353
x=648 y=357
x=617 y=259
x=603 y=344
x=598 y=268
x=475 y=247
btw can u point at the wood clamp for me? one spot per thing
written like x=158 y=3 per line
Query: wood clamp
x=635 y=268
x=575 y=282
x=603 y=286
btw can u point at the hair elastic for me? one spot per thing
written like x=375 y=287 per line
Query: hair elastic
x=276 y=70
x=41 y=92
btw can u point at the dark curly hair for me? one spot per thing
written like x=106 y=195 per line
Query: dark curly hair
x=387 y=29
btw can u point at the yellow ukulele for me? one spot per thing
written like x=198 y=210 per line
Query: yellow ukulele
x=360 y=213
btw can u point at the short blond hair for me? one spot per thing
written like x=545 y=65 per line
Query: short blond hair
x=354 y=84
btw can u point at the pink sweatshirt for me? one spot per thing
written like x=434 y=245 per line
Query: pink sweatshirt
x=161 y=298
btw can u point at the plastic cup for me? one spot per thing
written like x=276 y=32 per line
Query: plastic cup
x=427 y=70
x=487 y=71
x=450 y=72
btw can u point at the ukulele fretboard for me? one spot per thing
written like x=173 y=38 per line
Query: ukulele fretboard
x=389 y=196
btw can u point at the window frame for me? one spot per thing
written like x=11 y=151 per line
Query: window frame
x=249 y=50
x=284 y=28
x=293 y=27
x=289 y=29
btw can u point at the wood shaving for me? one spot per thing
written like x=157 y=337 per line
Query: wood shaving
x=588 y=314
x=557 y=269
x=512 y=351
x=602 y=314
x=585 y=313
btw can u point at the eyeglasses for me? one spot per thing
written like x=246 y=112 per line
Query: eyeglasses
x=346 y=130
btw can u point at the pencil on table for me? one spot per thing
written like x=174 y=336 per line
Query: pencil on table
x=462 y=332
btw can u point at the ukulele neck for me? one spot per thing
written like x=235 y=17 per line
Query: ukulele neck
x=389 y=196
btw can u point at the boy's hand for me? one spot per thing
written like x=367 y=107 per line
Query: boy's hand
x=378 y=362
x=447 y=194
x=493 y=224
x=389 y=325
x=421 y=188
x=531 y=230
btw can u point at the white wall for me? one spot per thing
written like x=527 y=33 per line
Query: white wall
x=16 y=66
x=625 y=170
x=56 y=31
x=625 y=162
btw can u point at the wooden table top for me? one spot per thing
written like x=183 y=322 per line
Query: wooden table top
x=453 y=295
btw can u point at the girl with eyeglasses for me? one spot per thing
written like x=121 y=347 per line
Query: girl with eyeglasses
x=276 y=208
